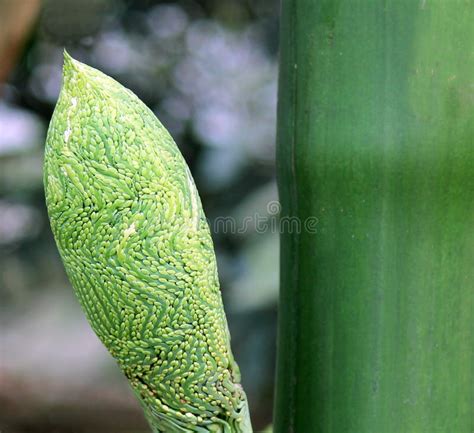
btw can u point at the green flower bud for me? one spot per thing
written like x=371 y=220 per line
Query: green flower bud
x=130 y=228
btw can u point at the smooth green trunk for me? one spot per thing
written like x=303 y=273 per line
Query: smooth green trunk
x=376 y=140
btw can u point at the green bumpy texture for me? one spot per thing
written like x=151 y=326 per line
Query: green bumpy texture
x=130 y=228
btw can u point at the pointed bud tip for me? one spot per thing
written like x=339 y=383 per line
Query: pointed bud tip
x=71 y=69
x=68 y=60
x=71 y=65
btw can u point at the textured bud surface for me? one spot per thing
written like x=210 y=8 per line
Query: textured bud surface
x=130 y=228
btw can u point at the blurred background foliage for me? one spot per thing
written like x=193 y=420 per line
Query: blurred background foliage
x=208 y=69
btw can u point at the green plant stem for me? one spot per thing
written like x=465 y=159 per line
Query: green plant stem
x=376 y=140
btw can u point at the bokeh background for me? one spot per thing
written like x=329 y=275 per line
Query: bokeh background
x=208 y=69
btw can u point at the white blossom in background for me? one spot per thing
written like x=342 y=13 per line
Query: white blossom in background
x=20 y=130
x=232 y=84
x=18 y=222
